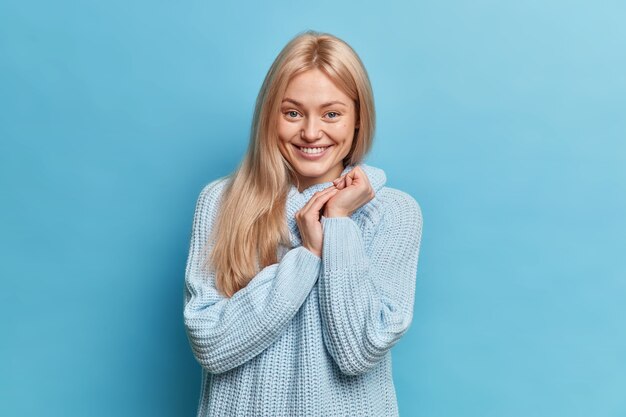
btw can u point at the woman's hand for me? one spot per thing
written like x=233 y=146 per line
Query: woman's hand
x=355 y=191
x=308 y=220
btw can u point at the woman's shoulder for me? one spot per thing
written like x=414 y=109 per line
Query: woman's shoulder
x=399 y=207
x=211 y=193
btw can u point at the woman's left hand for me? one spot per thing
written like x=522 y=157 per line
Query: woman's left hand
x=355 y=190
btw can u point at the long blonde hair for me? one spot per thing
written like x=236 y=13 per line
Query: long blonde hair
x=251 y=224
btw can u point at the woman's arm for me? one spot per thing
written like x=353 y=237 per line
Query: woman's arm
x=227 y=332
x=366 y=303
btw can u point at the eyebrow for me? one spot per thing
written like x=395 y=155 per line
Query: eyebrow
x=297 y=103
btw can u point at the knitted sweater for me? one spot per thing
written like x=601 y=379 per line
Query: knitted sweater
x=308 y=336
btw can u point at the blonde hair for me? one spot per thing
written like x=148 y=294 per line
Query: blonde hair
x=251 y=224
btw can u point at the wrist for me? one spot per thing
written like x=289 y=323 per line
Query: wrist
x=313 y=251
x=335 y=213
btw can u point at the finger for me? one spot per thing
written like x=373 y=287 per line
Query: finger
x=348 y=181
x=337 y=181
x=352 y=175
x=319 y=202
x=317 y=195
x=320 y=193
x=363 y=174
x=359 y=177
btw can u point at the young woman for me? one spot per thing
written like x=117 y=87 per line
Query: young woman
x=302 y=264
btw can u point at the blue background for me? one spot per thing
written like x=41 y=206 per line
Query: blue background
x=505 y=120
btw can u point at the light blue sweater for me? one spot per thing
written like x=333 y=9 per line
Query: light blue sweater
x=308 y=336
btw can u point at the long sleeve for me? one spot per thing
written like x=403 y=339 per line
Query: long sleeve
x=366 y=300
x=227 y=332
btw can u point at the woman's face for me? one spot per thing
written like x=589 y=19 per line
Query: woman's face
x=319 y=117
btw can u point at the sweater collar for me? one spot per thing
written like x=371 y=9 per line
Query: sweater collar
x=376 y=177
x=367 y=215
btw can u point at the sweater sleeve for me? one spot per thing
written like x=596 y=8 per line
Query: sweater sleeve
x=227 y=332
x=366 y=301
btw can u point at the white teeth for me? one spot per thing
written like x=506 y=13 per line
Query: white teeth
x=313 y=150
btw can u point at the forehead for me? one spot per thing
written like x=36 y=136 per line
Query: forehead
x=313 y=87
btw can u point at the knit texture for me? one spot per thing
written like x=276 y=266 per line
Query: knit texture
x=308 y=336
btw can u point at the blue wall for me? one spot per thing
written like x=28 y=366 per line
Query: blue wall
x=505 y=120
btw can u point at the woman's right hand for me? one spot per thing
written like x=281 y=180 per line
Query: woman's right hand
x=308 y=220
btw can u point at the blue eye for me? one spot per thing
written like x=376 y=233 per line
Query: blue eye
x=292 y=111
x=333 y=112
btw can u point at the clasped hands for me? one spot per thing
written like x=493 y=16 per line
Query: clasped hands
x=346 y=195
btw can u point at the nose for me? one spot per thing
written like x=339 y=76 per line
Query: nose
x=311 y=130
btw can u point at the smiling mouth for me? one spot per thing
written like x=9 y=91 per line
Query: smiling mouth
x=313 y=151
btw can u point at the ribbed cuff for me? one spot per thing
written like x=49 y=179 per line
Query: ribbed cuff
x=343 y=243
x=298 y=270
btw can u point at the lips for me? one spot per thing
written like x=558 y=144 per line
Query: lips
x=314 y=152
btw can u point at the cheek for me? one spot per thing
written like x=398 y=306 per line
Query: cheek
x=346 y=129
x=283 y=147
x=285 y=128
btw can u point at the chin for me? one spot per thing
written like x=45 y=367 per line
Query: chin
x=310 y=172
